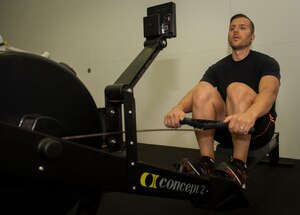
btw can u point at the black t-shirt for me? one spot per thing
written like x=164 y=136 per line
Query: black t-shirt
x=248 y=71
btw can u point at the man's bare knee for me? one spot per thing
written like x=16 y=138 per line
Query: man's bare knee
x=203 y=93
x=238 y=92
x=208 y=101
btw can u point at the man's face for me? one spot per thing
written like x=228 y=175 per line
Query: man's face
x=239 y=35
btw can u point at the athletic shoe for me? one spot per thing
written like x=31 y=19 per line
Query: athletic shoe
x=237 y=170
x=203 y=166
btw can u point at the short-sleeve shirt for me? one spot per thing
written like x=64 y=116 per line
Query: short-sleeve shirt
x=248 y=71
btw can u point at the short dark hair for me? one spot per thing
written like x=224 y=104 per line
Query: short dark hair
x=240 y=15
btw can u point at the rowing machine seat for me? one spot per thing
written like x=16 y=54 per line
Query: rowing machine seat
x=268 y=153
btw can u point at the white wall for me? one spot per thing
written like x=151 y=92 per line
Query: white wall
x=106 y=35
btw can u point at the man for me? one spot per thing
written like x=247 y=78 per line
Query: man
x=241 y=90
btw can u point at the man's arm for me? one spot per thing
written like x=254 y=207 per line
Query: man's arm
x=268 y=91
x=263 y=102
x=177 y=113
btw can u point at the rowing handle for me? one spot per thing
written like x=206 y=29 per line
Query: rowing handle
x=208 y=124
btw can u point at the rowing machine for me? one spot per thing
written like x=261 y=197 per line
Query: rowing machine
x=43 y=101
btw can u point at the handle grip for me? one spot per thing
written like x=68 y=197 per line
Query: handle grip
x=203 y=124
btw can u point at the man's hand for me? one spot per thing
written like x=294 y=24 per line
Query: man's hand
x=240 y=123
x=172 y=118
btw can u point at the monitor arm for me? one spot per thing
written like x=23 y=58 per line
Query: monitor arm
x=121 y=93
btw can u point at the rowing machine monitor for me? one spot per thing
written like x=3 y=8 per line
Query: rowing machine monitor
x=160 y=21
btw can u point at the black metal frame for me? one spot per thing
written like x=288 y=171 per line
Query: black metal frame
x=121 y=95
x=55 y=160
